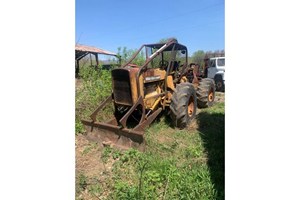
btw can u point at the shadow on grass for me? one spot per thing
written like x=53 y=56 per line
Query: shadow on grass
x=212 y=133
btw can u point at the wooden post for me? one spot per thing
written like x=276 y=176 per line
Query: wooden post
x=91 y=59
x=120 y=60
x=77 y=69
x=97 y=61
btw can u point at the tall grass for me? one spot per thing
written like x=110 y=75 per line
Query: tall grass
x=94 y=87
x=150 y=176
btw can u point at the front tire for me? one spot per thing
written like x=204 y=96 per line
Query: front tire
x=183 y=105
x=206 y=93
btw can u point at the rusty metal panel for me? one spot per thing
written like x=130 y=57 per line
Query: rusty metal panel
x=110 y=134
x=133 y=83
x=121 y=87
x=154 y=75
x=91 y=49
x=170 y=83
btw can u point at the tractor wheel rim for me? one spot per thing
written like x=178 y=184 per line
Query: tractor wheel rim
x=211 y=96
x=191 y=106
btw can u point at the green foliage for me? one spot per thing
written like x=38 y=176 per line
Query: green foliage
x=106 y=154
x=157 y=178
x=79 y=128
x=125 y=191
x=181 y=166
x=198 y=57
x=81 y=182
x=116 y=154
x=126 y=55
x=95 y=87
x=89 y=147
x=212 y=129
x=192 y=152
x=164 y=40
x=95 y=189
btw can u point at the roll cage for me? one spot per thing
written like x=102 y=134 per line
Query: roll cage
x=159 y=49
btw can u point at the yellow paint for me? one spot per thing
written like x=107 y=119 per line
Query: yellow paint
x=155 y=104
x=170 y=83
x=183 y=79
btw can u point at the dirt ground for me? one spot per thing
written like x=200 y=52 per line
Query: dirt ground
x=220 y=97
x=90 y=164
x=78 y=83
x=87 y=157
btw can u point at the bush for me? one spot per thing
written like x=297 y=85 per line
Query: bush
x=95 y=87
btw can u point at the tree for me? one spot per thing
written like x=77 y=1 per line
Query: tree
x=167 y=55
x=126 y=54
x=164 y=40
x=198 y=57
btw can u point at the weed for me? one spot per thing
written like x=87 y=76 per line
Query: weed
x=175 y=167
x=125 y=191
x=96 y=86
x=79 y=128
x=81 y=182
x=106 y=154
x=89 y=147
x=116 y=154
x=192 y=152
x=95 y=189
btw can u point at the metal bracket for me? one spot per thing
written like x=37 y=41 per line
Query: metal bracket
x=94 y=114
x=124 y=119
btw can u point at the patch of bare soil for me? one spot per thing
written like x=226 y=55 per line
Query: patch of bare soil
x=220 y=97
x=78 y=83
x=193 y=124
x=90 y=164
x=88 y=157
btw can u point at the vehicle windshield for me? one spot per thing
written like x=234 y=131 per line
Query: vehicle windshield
x=221 y=62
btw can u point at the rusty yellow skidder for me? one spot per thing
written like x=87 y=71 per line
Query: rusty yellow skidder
x=141 y=93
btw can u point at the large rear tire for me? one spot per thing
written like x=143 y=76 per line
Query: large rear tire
x=183 y=105
x=206 y=93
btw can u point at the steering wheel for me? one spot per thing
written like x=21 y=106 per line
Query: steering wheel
x=163 y=64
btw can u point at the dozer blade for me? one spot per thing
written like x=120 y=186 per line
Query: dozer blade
x=112 y=135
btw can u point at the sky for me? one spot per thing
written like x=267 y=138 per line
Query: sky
x=109 y=24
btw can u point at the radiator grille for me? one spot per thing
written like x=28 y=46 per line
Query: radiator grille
x=121 y=87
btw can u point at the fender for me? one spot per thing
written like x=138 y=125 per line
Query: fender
x=220 y=74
